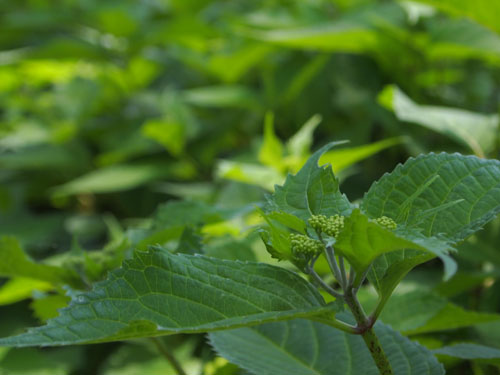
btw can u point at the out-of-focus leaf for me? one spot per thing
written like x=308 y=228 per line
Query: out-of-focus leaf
x=259 y=175
x=345 y=157
x=271 y=151
x=461 y=38
x=121 y=177
x=168 y=133
x=339 y=36
x=469 y=351
x=20 y=288
x=483 y=11
x=420 y=311
x=44 y=157
x=15 y=263
x=299 y=145
x=221 y=96
x=474 y=130
x=47 y=307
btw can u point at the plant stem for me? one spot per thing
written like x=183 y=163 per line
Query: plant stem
x=332 y=262
x=342 y=270
x=168 y=356
x=366 y=330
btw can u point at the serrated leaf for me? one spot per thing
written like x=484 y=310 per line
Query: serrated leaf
x=159 y=293
x=361 y=241
x=474 y=130
x=471 y=182
x=467 y=186
x=313 y=190
x=300 y=347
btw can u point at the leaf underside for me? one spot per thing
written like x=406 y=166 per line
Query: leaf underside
x=303 y=347
x=159 y=293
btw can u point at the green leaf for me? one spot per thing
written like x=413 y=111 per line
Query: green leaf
x=474 y=130
x=168 y=132
x=120 y=177
x=255 y=174
x=159 y=293
x=341 y=36
x=421 y=311
x=461 y=39
x=300 y=347
x=453 y=317
x=222 y=96
x=361 y=241
x=271 y=151
x=469 y=351
x=471 y=182
x=15 y=263
x=313 y=190
x=299 y=145
x=483 y=11
x=20 y=288
x=466 y=186
x=345 y=157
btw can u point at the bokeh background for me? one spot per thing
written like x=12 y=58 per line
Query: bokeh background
x=127 y=123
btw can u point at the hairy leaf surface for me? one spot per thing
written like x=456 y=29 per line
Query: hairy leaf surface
x=159 y=293
x=313 y=190
x=303 y=347
x=445 y=195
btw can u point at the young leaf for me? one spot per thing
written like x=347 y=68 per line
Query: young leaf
x=159 y=293
x=361 y=241
x=345 y=157
x=300 y=347
x=313 y=190
x=271 y=151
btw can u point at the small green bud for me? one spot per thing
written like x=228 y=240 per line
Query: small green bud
x=386 y=222
x=329 y=225
x=305 y=246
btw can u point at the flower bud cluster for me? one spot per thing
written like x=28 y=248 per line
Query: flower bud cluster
x=304 y=245
x=386 y=222
x=331 y=225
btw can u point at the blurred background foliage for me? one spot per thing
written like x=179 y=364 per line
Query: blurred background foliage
x=130 y=123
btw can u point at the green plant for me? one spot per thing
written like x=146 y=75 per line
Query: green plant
x=411 y=215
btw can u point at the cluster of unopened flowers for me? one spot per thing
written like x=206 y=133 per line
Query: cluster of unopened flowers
x=303 y=245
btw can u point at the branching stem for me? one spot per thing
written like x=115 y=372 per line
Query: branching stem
x=365 y=328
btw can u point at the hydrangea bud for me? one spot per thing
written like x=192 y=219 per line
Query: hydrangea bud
x=305 y=246
x=386 y=222
x=329 y=225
